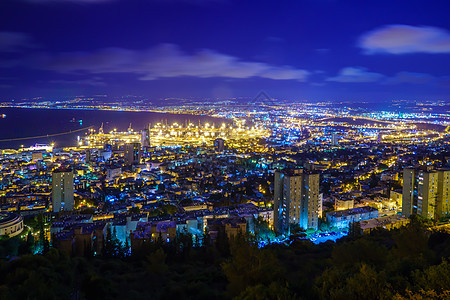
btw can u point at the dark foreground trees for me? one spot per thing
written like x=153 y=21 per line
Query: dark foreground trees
x=410 y=263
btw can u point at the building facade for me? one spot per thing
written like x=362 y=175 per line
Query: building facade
x=62 y=190
x=396 y=196
x=426 y=192
x=343 y=218
x=443 y=208
x=386 y=222
x=334 y=139
x=296 y=199
x=145 y=137
x=343 y=203
x=219 y=144
x=132 y=153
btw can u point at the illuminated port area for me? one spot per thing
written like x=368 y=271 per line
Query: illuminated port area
x=165 y=135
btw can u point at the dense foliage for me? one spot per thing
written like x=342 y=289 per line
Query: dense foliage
x=409 y=263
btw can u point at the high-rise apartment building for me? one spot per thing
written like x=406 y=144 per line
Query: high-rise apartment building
x=296 y=199
x=334 y=139
x=145 y=137
x=88 y=155
x=426 y=192
x=219 y=144
x=132 y=153
x=62 y=190
x=443 y=209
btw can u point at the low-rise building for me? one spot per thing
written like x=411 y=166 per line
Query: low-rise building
x=112 y=173
x=342 y=219
x=396 y=196
x=343 y=203
x=147 y=232
x=230 y=226
x=11 y=224
x=81 y=239
x=387 y=222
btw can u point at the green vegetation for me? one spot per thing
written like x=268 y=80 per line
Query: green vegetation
x=409 y=263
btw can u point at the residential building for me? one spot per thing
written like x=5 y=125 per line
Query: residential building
x=219 y=144
x=145 y=137
x=62 y=190
x=132 y=153
x=343 y=218
x=387 y=222
x=397 y=197
x=296 y=199
x=426 y=192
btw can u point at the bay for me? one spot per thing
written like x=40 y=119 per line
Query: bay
x=33 y=122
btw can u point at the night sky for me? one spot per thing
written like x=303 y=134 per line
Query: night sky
x=302 y=50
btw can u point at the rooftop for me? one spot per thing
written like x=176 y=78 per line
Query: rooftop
x=294 y=171
x=382 y=221
x=352 y=211
x=7 y=217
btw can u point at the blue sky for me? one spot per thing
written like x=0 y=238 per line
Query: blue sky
x=304 y=49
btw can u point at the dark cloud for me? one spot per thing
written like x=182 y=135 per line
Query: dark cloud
x=70 y=1
x=165 y=61
x=14 y=41
x=410 y=77
x=196 y=2
x=356 y=74
x=96 y=81
x=322 y=51
x=445 y=81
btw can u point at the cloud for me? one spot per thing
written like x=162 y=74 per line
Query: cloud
x=400 y=39
x=70 y=1
x=6 y=78
x=164 y=61
x=444 y=81
x=96 y=81
x=360 y=74
x=14 y=41
x=356 y=74
x=322 y=50
x=410 y=77
x=195 y=2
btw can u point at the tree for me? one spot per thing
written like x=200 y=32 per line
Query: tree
x=250 y=266
x=161 y=188
x=412 y=243
x=373 y=182
x=156 y=262
x=275 y=290
x=41 y=232
x=435 y=278
x=30 y=242
x=262 y=230
x=222 y=243
x=350 y=254
x=135 y=210
x=366 y=283
x=112 y=244
x=45 y=246
x=423 y=295
x=354 y=229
